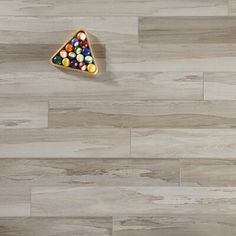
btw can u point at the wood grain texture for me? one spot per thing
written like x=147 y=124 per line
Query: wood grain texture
x=232 y=7
x=145 y=148
x=31 y=58
x=220 y=86
x=15 y=113
x=114 y=86
x=172 y=58
x=164 y=30
x=114 y=8
x=14 y=201
x=174 y=225
x=64 y=143
x=118 y=201
x=56 y=30
x=88 y=172
x=45 y=226
x=207 y=173
x=183 y=143
x=71 y=112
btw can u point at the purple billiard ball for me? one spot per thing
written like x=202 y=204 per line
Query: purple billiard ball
x=86 y=52
x=75 y=42
x=74 y=63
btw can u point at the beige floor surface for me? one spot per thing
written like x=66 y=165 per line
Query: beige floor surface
x=146 y=148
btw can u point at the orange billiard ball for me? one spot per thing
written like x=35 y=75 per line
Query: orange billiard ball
x=69 y=47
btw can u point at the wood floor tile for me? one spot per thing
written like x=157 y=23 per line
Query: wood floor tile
x=183 y=143
x=31 y=58
x=14 y=201
x=232 y=7
x=113 y=86
x=58 y=143
x=220 y=86
x=15 y=113
x=172 y=58
x=56 y=30
x=71 y=112
x=164 y=30
x=115 y=8
x=45 y=226
x=88 y=172
x=119 y=201
x=205 y=173
x=175 y=225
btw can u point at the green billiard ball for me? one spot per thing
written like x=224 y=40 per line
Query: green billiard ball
x=57 y=60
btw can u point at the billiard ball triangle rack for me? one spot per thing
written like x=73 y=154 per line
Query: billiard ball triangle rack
x=76 y=54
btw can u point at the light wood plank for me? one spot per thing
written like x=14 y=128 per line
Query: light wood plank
x=232 y=7
x=208 y=173
x=174 y=225
x=114 y=8
x=56 y=30
x=119 y=201
x=171 y=58
x=14 y=201
x=59 y=143
x=28 y=58
x=45 y=226
x=15 y=113
x=183 y=143
x=115 y=86
x=68 y=112
x=164 y=30
x=220 y=86
x=88 y=172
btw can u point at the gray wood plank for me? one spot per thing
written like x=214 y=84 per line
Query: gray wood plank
x=56 y=30
x=232 y=7
x=72 y=112
x=59 y=143
x=183 y=143
x=114 y=8
x=88 y=172
x=164 y=30
x=17 y=113
x=46 y=226
x=120 y=201
x=14 y=201
x=28 y=58
x=205 y=173
x=51 y=82
x=175 y=225
x=171 y=58
x=220 y=86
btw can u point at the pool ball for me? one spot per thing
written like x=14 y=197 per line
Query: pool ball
x=91 y=68
x=63 y=53
x=57 y=60
x=86 y=52
x=72 y=55
x=78 y=50
x=82 y=66
x=83 y=43
x=69 y=47
x=81 y=36
x=66 y=62
x=88 y=59
x=74 y=63
x=75 y=42
x=80 y=58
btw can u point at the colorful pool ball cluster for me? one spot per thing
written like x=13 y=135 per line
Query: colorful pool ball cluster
x=76 y=54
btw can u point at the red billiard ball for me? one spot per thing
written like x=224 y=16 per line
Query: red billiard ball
x=84 y=43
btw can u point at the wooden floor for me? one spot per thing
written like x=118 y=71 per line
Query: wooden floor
x=147 y=148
